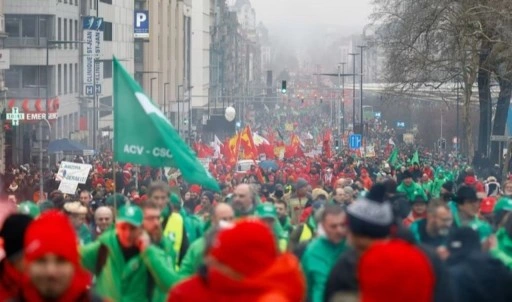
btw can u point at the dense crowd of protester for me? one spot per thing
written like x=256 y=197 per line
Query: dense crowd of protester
x=345 y=227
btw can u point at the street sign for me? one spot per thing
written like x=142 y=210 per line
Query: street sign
x=378 y=114
x=141 y=26
x=400 y=124
x=15 y=116
x=354 y=141
x=500 y=138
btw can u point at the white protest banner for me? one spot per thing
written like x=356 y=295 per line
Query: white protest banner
x=68 y=187
x=69 y=171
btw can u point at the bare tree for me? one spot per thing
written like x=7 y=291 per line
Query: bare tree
x=437 y=43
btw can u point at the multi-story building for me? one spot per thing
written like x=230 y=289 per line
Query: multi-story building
x=46 y=77
x=163 y=57
x=4 y=60
x=202 y=20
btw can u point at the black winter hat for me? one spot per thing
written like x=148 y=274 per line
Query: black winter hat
x=13 y=232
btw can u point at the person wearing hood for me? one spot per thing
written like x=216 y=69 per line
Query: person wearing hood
x=11 y=267
x=66 y=280
x=243 y=263
x=476 y=275
x=410 y=188
x=323 y=251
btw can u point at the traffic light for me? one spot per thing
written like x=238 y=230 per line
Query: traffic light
x=337 y=144
x=321 y=99
x=283 y=87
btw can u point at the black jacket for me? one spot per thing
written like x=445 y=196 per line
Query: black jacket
x=478 y=277
x=343 y=276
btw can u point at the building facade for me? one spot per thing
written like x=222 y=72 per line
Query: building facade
x=46 y=76
x=163 y=58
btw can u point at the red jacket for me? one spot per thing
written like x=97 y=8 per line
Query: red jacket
x=282 y=282
x=10 y=279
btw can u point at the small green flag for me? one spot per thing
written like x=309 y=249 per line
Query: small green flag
x=415 y=158
x=144 y=136
x=393 y=157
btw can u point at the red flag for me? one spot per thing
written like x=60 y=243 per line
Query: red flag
x=247 y=143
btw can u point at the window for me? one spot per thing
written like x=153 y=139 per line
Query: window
x=76 y=78
x=139 y=51
x=107 y=69
x=105 y=105
x=65 y=32
x=76 y=32
x=27 y=81
x=108 y=31
x=59 y=30
x=59 y=76
x=106 y=1
x=70 y=78
x=65 y=79
x=13 y=26
x=71 y=33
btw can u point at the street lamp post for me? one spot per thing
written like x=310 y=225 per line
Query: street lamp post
x=343 y=98
x=361 y=95
x=165 y=98
x=353 y=90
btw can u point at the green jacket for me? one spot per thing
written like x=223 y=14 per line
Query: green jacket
x=159 y=293
x=122 y=281
x=84 y=234
x=411 y=191
x=318 y=259
x=193 y=258
x=436 y=187
x=483 y=228
x=427 y=186
x=503 y=251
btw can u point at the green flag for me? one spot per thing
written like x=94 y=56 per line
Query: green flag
x=393 y=157
x=415 y=158
x=143 y=135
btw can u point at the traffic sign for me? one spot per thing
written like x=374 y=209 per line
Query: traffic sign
x=354 y=141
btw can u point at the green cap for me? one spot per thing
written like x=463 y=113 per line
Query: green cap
x=130 y=214
x=503 y=204
x=29 y=208
x=266 y=210
x=175 y=199
x=117 y=199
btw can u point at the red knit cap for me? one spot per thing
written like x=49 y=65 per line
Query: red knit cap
x=195 y=189
x=395 y=271
x=248 y=247
x=51 y=233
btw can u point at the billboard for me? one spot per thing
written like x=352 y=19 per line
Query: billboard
x=92 y=66
x=141 y=24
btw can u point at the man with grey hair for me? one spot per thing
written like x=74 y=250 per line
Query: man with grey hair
x=244 y=200
x=103 y=220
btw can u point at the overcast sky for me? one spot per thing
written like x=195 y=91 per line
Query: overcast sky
x=346 y=13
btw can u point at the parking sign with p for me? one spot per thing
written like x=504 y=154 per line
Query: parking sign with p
x=141 y=26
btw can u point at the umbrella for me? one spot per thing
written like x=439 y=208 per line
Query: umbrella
x=268 y=164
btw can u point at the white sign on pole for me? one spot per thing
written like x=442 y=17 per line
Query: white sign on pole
x=69 y=171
